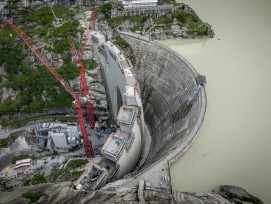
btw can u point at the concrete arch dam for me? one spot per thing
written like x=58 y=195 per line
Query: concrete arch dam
x=166 y=82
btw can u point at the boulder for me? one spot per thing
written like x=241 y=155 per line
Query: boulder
x=9 y=93
x=236 y=194
x=29 y=59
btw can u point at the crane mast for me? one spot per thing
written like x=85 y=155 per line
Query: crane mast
x=87 y=143
x=78 y=58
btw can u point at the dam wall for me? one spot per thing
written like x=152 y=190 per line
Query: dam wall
x=166 y=82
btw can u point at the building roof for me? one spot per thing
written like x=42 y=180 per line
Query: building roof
x=23 y=162
x=113 y=146
x=126 y=115
x=140 y=1
x=97 y=35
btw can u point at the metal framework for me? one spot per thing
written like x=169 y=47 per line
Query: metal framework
x=78 y=58
x=87 y=144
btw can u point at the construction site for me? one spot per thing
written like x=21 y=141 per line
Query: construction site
x=155 y=104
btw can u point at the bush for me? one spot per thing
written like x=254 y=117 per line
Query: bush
x=106 y=9
x=37 y=179
x=33 y=197
x=76 y=174
x=4 y=142
x=185 y=17
x=121 y=42
x=27 y=182
x=89 y=64
x=55 y=173
x=162 y=20
x=76 y=163
x=66 y=29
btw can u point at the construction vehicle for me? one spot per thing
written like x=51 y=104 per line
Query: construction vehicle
x=77 y=98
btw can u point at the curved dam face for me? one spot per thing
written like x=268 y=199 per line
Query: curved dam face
x=166 y=82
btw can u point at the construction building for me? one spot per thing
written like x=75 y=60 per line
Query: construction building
x=147 y=8
x=139 y=3
x=58 y=135
x=123 y=148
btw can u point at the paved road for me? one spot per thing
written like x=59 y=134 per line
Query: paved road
x=5 y=133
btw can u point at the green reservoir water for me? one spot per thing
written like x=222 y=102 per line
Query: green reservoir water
x=233 y=146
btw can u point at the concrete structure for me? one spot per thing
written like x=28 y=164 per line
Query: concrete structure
x=97 y=38
x=150 y=11
x=166 y=84
x=139 y=3
x=60 y=139
x=122 y=149
x=121 y=84
x=63 y=135
x=124 y=146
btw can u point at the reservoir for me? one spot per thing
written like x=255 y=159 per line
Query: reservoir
x=233 y=145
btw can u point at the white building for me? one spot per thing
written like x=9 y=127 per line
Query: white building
x=122 y=149
x=23 y=162
x=124 y=146
x=139 y=3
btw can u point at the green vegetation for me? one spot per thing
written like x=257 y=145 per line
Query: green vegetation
x=31 y=83
x=76 y=174
x=105 y=9
x=89 y=64
x=37 y=179
x=65 y=29
x=5 y=142
x=54 y=153
x=7 y=36
x=161 y=2
x=42 y=21
x=137 y=28
x=59 y=175
x=20 y=123
x=28 y=82
x=76 y=163
x=3 y=185
x=163 y=20
x=26 y=182
x=11 y=4
x=33 y=197
x=55 y=173
x=190 y=21
x=121 y=42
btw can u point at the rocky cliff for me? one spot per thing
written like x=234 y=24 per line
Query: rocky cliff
x=50 y=193
x=26 y=87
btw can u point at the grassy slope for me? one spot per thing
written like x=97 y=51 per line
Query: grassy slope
x=32 y=82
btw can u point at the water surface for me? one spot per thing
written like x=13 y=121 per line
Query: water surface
x=233 y=146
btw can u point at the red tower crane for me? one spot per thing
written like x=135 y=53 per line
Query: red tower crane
x=87 y=144
x=78 y=58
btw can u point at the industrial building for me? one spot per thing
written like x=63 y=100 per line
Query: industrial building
x=123 y=148
x=58 y=135
x=139 y=3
